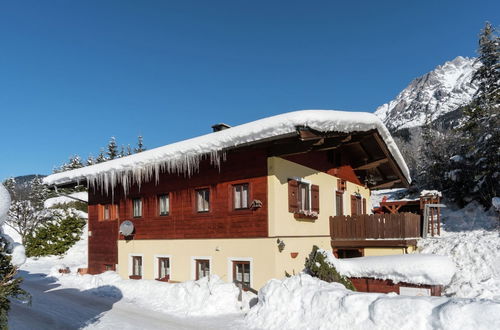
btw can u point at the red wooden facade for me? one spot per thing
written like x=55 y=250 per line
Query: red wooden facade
x=366 y=284
x=183 y=220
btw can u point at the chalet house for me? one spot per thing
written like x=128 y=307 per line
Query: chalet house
x=246 y=203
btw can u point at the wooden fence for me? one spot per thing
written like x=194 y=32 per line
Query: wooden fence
x=375 y=226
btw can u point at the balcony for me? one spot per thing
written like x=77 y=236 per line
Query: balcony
x=375 y=230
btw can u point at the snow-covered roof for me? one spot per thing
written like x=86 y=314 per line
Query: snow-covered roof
x=184 y=156
x=411 y=268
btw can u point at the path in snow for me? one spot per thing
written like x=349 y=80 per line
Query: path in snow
x=54 y=307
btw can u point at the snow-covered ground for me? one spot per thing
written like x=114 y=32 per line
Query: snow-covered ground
x=470 y=239
x=71 y=301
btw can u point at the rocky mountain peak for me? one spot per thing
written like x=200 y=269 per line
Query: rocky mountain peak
x=444 y=89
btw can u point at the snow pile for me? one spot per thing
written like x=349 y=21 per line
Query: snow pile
x=411 y=268
x=430 y=193
x=209 y=296
x=16 y=250
x=184 y=156
x=50 y=202
x=304 y=302
x=469 y=238
x=391 y=194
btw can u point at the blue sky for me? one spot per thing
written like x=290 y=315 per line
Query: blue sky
x=75 y=73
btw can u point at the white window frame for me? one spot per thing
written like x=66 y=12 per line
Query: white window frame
x=131 y=263
x=299 y=181
x=133 y=207
x=241 y=195
x=167 y=204
x=193 y=265
x=156 y=261
x=230 y=261
x=198 y=191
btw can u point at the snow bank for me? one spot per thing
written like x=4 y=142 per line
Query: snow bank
x=304 y=302
x=411 y=268
x=184 y=156
x=4 y=203
x=470 y=239
x=82 y=195
x=16 y=250
x=430 y=193
x=209 y=296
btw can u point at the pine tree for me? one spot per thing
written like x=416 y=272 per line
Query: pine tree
x=56 y=236
x=129 y=150
x=140 y=145
x=100 y=158
x=112 y=151
x=10 y=285
x=482 y=125
x=90 y=160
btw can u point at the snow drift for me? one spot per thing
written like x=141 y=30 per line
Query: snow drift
x=209 y=296
x=304 y=302
x=184 y=156
x=410 y=268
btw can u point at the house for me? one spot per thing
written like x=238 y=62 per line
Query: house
x=246 y=203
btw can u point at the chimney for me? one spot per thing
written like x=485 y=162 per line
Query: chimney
x=220 y=126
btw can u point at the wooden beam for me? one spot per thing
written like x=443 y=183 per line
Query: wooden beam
x=373 y=243
x=371 y=164
x=392 y=162
x=386 y=184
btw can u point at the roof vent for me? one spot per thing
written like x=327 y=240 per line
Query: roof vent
x=220 y=126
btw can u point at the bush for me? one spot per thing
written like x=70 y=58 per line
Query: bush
x=316 y=265
x=55 y=236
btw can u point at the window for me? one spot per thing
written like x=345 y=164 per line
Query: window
x=106 y=212
x=108 y=267
x=339 y=203
x=164 y=268
x=203 y=200
x=240 y=196
x=137 y=207
x=348 y=253
x=137 y=266
x=202 y=268
x=356 y=205
x=241 y=272
x=164 y=204
x=304 y=197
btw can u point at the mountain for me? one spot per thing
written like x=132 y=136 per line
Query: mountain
x=438 y=94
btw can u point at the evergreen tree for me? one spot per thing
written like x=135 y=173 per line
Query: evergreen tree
x=482 y=125
x=56 y=236
x=129 y=150
x=112 y=149
x=100 y=158
x=90 y=160
x=10 y=285
x=140 y=145
x=122 y=151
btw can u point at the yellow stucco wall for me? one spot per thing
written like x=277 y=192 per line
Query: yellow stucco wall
x=266 y=260
x=282 y=222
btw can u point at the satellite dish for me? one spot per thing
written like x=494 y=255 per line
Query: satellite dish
x=127 y=228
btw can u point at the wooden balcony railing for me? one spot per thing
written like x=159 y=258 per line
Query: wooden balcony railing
x=375 y=226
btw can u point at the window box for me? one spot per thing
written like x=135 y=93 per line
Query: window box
x=164 y=279
x=309 y=215
x=135 y=277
